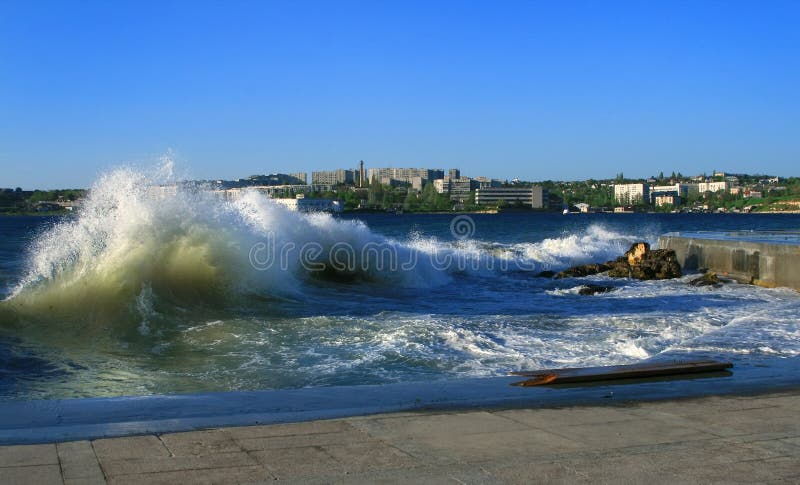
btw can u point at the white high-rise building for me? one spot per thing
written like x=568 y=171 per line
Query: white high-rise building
x=631 y=194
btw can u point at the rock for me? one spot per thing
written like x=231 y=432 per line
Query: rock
x=641 y=263
x=594 y=289
x=546 y=274
x=619 y=268
x=708 y=279
x=583 y=270
x=637 y=253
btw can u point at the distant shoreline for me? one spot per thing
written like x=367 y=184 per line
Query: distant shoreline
x=488 y=211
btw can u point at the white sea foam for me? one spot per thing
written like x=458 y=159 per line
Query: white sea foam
x=171 y=282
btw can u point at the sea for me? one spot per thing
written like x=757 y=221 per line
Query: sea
x=147 y=292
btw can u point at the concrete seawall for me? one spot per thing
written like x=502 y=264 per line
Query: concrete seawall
x=768 y=259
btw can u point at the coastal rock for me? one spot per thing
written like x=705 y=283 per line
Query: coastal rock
x=546 y=274
x=594 y=289
x=583 y=270
x=639 y=262
x=642 y=263
x=708 y=279
x=637 y=253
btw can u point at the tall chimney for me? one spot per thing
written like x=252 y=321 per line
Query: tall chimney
x=361 y=175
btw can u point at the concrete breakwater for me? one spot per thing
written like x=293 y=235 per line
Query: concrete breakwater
x=768 y=259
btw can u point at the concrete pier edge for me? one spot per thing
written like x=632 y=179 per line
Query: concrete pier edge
x=770 y=259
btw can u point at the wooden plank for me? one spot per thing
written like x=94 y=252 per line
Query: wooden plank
x=612 y=372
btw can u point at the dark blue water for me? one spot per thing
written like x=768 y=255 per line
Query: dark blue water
x=142 y=298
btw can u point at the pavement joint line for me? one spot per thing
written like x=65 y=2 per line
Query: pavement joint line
x=34 y=465
x=171 y=454
x=99 y=462
x=60 y=465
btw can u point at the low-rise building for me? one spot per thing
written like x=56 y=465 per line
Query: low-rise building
x=667 y=199
x=678 y=190
x=534 y=196
x=301 y=204
x=713 y=186
x=485 y=182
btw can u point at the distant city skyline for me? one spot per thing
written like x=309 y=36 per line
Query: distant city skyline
x=520 y=89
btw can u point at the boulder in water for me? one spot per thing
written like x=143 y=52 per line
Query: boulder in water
x=708 y=279
x=639 y=262
x=583 y=270
x=642 y=263
x=594 y=289
x=546 y=274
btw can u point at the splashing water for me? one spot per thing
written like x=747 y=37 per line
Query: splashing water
x=154 y=290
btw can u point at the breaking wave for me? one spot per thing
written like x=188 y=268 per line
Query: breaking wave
x=136 y=247
x=150 y=288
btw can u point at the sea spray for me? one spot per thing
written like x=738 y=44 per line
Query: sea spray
x=134 y=241
x=188 y=311
x=185 y=247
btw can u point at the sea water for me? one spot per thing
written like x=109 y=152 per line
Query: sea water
x=143 y=291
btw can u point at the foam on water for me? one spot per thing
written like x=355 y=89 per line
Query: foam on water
x=132 y=247
x=163 y=292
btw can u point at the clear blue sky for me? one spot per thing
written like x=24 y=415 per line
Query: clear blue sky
x=535 y=90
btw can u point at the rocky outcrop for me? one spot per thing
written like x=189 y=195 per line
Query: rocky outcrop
x=587 y=290
x=639 y=262
x=708 y=279
x=583 y=270
x=642 y=263
x=546 y=274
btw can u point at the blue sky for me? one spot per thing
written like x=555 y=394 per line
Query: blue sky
x=535 y=90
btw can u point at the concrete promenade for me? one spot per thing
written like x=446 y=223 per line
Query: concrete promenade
x=728 y=439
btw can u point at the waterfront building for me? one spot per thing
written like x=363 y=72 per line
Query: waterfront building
x=485 y=182
x=713 y=186
x=299 y=177
x=406 y=175
x=667 y=199
x=334 y=177
x=631 y=194
x=458 y=188
x=678 y=190
x=301 y=204
x=273 y=191
x=162 y=191
x=534 y=196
